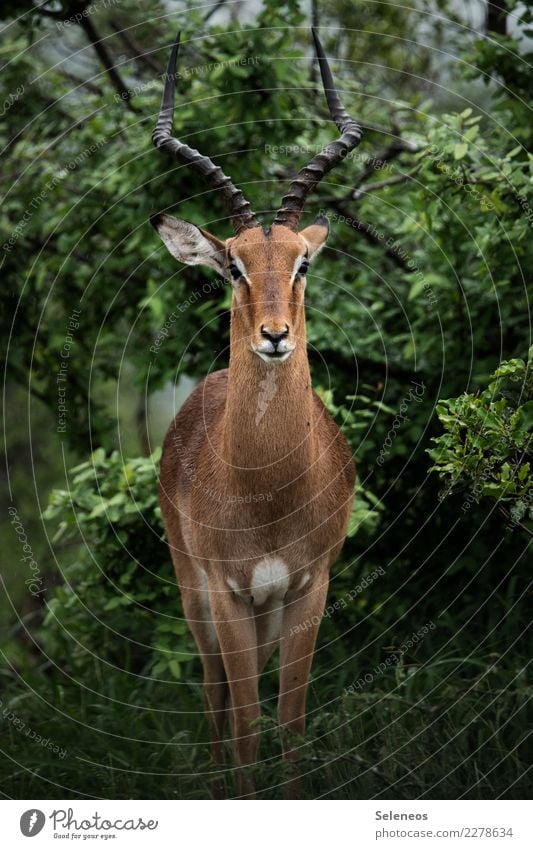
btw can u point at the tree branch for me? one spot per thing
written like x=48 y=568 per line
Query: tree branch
x=497 y=17
x=369 y=232
x=214 y=9
x=23 y=379
x=393 y=151
x=381 y=184
x=106 y=60
x=92 y=87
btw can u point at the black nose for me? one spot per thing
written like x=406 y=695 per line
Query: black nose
x=274 y=336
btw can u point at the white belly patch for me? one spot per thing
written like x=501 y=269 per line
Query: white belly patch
x=270 y=580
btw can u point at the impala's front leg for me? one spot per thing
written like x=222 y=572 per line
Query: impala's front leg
x=299 y=630
x=235 y=626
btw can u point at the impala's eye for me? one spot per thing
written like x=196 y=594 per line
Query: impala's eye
x=304 y=268
x=234 y=271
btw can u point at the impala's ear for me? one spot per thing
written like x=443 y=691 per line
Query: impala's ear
x=189 y=243
x=316 y=235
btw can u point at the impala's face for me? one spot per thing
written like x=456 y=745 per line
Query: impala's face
x=267 y=269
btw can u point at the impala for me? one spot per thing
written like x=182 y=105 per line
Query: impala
x=257 y=480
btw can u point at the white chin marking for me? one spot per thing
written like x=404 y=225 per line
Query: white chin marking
x=268 y=358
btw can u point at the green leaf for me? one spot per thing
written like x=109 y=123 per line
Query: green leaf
x=525 y=417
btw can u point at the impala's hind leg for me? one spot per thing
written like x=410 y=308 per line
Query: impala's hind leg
x=299 y=630
x=195 y=599
x=235 y=627
x=215 y=686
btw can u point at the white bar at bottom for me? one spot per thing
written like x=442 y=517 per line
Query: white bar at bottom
x=266 y=824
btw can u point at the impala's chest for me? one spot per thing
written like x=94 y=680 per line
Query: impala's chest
x=261 y=499
x=274 y=513
x=256 y=519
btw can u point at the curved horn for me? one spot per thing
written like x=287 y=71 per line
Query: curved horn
x=239 y=209
x=351 y=134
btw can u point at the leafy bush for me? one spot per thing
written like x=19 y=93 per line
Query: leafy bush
x=486 y=450
x=119 y=600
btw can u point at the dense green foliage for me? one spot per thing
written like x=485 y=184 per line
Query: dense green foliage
x=127 y=577
x=420 y=296
x=487 y=446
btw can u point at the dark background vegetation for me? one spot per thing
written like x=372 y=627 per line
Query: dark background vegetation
x=420 y=296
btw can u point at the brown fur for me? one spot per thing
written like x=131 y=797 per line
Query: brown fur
x=253 y=466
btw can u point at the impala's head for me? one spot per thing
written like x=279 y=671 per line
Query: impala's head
x=266 y=266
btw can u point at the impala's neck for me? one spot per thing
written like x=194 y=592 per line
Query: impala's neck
x=268 y=425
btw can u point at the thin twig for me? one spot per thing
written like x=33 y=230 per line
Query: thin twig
x=515 y=521
x=381 y=184
x=90 y=86
x=393 y=151
x=23 y=379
